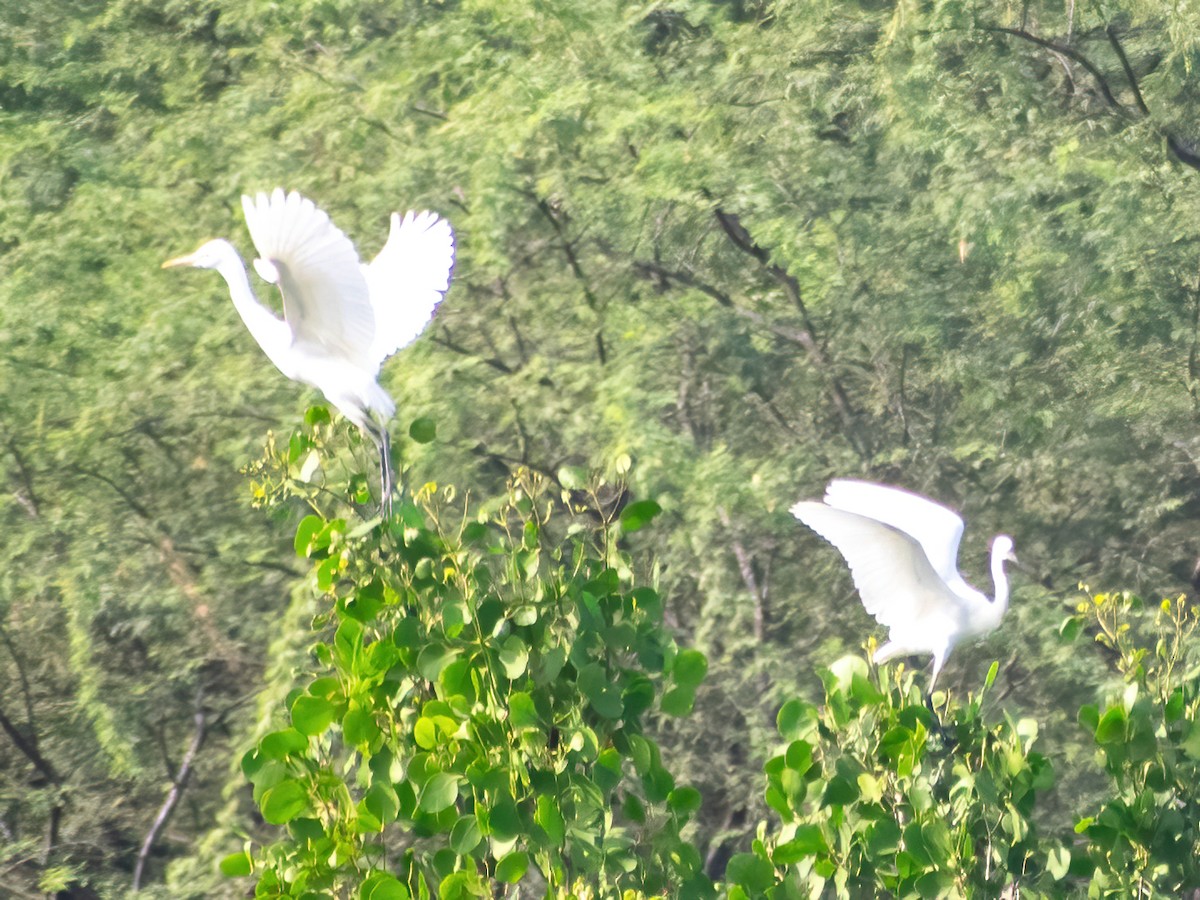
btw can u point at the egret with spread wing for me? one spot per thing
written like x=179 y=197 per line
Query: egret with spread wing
x=341 y=319
x=902 y=550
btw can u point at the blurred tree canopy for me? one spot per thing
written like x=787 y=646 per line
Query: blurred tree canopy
x=749 y=245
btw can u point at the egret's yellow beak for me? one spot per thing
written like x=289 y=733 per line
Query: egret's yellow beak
x=187 y=260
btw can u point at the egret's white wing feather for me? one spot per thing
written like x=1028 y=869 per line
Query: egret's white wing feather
x=936 y=528
x=408 y=279
x=325 y=297
x=894 y=577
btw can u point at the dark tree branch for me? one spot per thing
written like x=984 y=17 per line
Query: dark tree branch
x=805 y=336
x=26 y=693
x=177 y=786
x=1185 y=153
x=1129 y=76
x=664 y=276
x=746 y=568
x=29 y=749
x=446 y=341
x=568 y=248
x=1070 y=53
x=28 y=499
x=132 y=502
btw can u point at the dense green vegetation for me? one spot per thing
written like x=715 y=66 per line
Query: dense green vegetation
x=716 y=252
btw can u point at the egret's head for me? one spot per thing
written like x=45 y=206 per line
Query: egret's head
x=208 y=255
x=1002 y=548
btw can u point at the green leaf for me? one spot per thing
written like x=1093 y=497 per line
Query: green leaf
x=359 y=727
x=1070 y=628
x=308 y=528
x=383 y=886
x=795 y=719
x=799 y=756
x=1111 y=728
x=284 y=802
x=465 y=835
x=512 y=868
x=439 y=793
x=382 y=803
x=282 y=744
x=312 y=715
x=423 y=430
x=602 y=694
x=522 y=714
x=236 y=865
x=1058 y=862
x=684 y=800
x=992 y=671
x=548 y=816
x=750 y=872
x=678 y=701
x=637 y=515
x=689 y=668
x=433 y=659
x=514 y=656
x=809 y=840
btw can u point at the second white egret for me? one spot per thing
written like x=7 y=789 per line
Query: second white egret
x=341 y=319
x=902 y=550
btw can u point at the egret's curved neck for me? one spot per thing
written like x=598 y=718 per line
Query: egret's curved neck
x=1000 y=580
x=271 y=332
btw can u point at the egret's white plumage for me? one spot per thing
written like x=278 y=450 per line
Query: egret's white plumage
x=341 y=319
x=902 y=550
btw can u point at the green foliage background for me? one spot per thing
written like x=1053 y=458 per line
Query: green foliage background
x=750 y=245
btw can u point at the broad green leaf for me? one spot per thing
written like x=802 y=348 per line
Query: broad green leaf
x=423 y=430
x=381 y=801
x=678 y=701
x=1112 y=726
x=359 y=727
x=684 y=800
x=522 y=714
x=514 y=656
x=439 y=793
x=637 y=515
x=548 y=816
x=433 y=659
x=689 y=668
x=312 y=715
x=512 y=868
x=602 y=694
x=281 y=744
x=236 y=865
x=383 y=886
x=750 y=872
x=284 y=802
x=308 y=528
x=465 y=835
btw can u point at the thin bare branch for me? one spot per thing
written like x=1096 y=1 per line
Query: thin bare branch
x=199 y=733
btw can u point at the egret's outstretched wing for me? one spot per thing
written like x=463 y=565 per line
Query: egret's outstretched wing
x=893 y=575
x=935 y=527
x=408 y=279
x=325 y=297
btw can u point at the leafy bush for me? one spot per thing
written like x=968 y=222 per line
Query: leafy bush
x=475 y=714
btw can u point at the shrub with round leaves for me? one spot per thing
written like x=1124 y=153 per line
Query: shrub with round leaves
x=474 y=716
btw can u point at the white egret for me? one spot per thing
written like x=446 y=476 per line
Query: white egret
x=902 y=550
x=341 y=319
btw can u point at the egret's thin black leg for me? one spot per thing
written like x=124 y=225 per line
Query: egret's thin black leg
x=385 y=470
